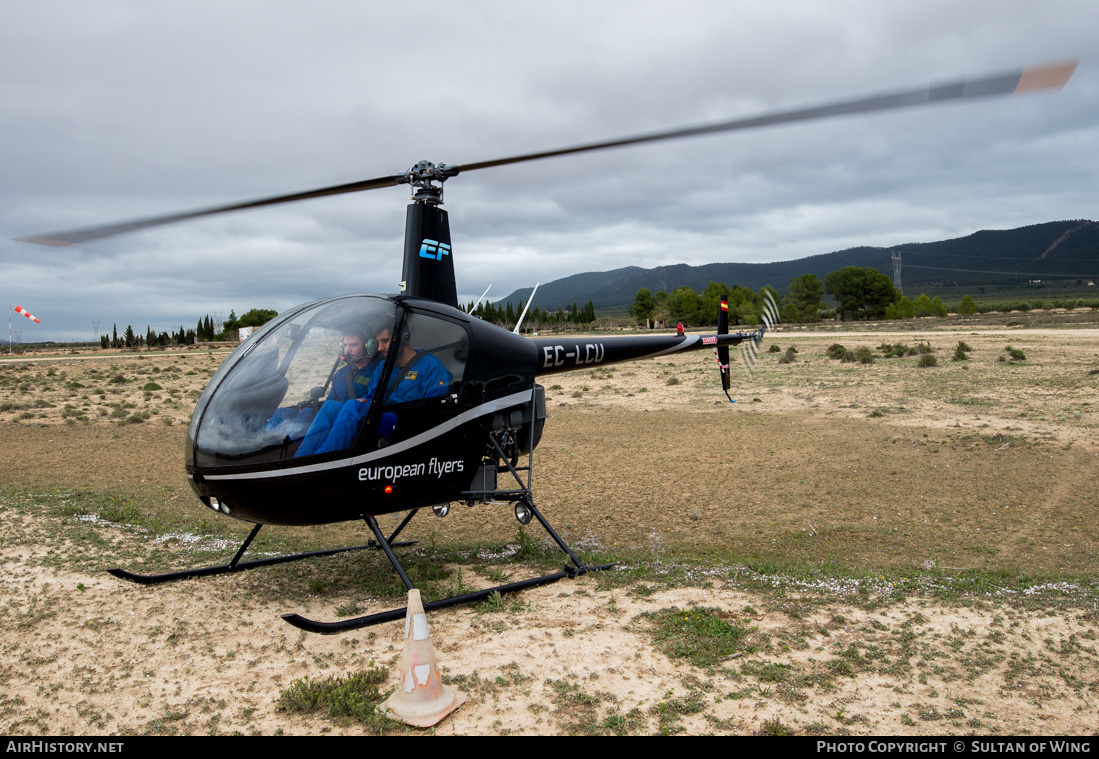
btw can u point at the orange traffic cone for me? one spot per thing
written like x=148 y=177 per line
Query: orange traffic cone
x=421 y=700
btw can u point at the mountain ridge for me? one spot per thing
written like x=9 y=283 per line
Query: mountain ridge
x=1059 y=250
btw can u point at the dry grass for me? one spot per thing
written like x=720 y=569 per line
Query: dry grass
x=899 y=550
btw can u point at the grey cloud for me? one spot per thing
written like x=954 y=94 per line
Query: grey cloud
x=116 y=110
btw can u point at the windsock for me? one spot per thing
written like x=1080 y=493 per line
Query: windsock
x=28 y=314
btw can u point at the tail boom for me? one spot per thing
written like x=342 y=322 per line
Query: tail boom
x=568 y=355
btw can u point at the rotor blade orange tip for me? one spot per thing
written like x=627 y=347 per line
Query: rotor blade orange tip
x=53 y=243
x=1046 y=77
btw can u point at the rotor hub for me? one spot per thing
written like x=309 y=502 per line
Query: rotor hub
x=422 y=178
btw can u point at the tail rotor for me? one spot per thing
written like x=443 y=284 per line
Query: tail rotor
x=749 y=350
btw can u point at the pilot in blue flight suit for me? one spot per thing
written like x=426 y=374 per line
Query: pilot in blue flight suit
x=417 y=375
x=350 y=381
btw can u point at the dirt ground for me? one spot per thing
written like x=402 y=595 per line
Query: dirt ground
x=903 y=550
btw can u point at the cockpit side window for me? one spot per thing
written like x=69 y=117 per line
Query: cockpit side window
x=414 y=389
x=430 y=347
x=422 y=388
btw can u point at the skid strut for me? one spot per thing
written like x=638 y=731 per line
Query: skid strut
x=523 y=495
x=330 y=628
x=236 y=565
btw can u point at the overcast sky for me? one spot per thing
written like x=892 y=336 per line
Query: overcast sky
x=111 y=110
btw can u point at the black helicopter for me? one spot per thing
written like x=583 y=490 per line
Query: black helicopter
x=453 y=403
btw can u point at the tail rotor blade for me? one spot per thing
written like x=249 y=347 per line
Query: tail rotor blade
x=753 y=350
x=770 y=309
x=745 y=362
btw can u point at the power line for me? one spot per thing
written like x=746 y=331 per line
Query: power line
x=1005 y=273
x=1007 y=258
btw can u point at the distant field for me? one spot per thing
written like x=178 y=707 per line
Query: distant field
x=905 y=549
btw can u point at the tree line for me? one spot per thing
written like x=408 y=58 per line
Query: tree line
x=207 y=330
x=860 y=293
x=537 y=319
x=686 y=306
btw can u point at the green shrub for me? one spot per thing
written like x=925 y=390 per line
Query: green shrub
x=775 y=726
x=864 y=355
x=354 y=697
x=895 y=350
x=927 y=359
x=837 y=351
x=1015 y=353
x=700 y=635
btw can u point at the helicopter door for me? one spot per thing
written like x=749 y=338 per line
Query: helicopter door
x=415 y=389
x=423 y=388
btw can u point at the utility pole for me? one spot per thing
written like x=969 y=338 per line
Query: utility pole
x=897 y=271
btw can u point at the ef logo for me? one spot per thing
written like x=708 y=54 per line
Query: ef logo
x=433 y=249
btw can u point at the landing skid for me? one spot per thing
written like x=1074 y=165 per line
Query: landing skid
x=236 y=565
x=523 y=496
x=331 y=628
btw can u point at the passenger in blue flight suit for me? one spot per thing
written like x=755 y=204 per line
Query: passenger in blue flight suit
x=350 y=381
x=417 y=375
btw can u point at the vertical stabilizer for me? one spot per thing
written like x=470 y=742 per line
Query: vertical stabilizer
x=723 y=351
x=428 y=270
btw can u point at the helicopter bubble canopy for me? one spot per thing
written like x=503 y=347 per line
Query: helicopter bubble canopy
x=260 y=402
x=330 y=377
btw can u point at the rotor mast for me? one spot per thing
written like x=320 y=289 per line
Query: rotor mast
x=428 y=267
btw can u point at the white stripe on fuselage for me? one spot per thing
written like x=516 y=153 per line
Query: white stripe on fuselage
x=478 y=411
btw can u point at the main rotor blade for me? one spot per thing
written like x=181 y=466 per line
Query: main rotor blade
x=1025 y=80
x=1016 y=82
x=77 y=236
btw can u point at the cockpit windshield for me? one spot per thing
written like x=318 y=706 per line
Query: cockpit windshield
x=261 y=402
x=308 y=383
